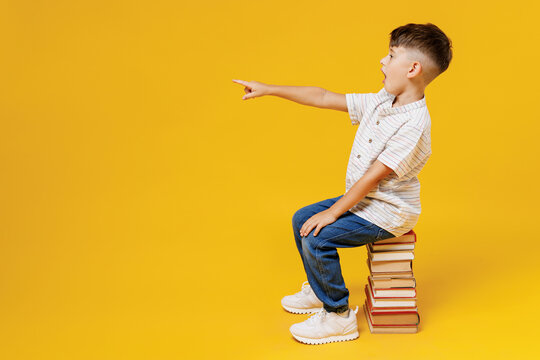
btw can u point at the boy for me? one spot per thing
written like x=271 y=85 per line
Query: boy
x=382 y=191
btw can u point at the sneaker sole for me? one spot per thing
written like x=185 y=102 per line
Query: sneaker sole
x=301 y=311
x=326 y=340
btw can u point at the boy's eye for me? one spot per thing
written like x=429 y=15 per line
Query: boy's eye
x=390 y=55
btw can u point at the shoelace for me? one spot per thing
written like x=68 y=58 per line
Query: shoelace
x=305 y=288
x=318 y=316
x=321 y=314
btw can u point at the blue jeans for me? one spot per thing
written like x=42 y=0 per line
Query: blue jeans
x=319 y=254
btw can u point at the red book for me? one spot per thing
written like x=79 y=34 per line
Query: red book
x=388 y=329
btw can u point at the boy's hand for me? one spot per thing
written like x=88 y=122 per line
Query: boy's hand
x=319 y=220
x=254 y=89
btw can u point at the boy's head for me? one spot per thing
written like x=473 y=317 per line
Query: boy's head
x=418 y=53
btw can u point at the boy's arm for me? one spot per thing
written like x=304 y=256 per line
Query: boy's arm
x=361 y=188
x=311 y=95
x=305 y=95
x=334 y=101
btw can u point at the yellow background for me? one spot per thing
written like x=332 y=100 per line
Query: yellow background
x=146 y=208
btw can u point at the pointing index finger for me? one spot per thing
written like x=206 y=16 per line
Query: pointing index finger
x=240 y=82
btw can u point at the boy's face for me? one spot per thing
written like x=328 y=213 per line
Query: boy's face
x=396 y=65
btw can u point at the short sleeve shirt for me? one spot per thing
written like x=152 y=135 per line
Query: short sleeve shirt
x=399 y=137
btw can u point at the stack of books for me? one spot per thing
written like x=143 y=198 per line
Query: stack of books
x=390 y=305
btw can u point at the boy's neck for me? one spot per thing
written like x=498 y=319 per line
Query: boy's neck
x=407 y=98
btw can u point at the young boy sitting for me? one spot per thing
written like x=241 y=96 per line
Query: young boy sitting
x=382 y=191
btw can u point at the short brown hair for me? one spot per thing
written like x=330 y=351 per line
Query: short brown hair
x=426 y=38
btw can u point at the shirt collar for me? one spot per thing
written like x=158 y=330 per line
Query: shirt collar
x=386 y=107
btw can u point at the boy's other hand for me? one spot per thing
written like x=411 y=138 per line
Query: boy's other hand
x=253 y=89
x=318 y=221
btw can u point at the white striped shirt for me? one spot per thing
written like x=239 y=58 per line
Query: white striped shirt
x=399 y=137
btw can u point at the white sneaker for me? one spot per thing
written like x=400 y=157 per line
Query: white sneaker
x=325 y=327
x=303 y=302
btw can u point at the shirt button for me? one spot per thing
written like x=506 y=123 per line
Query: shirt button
x=369 y=140
x=377 y=122
x=358 y=156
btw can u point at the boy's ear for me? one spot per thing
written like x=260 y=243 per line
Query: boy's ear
x=416 y=68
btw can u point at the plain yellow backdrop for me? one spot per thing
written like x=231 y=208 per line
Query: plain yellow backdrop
x=146 y=208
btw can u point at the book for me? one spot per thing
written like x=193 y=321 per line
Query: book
x=385 y=309
x=390 y=274
x=389 y=255
x=405 y=318
x=392 y=246
x=392 y=292
x=381 y=301
x=388 y=329
x=389 y=266
x=392 y=282
x=405 y=238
